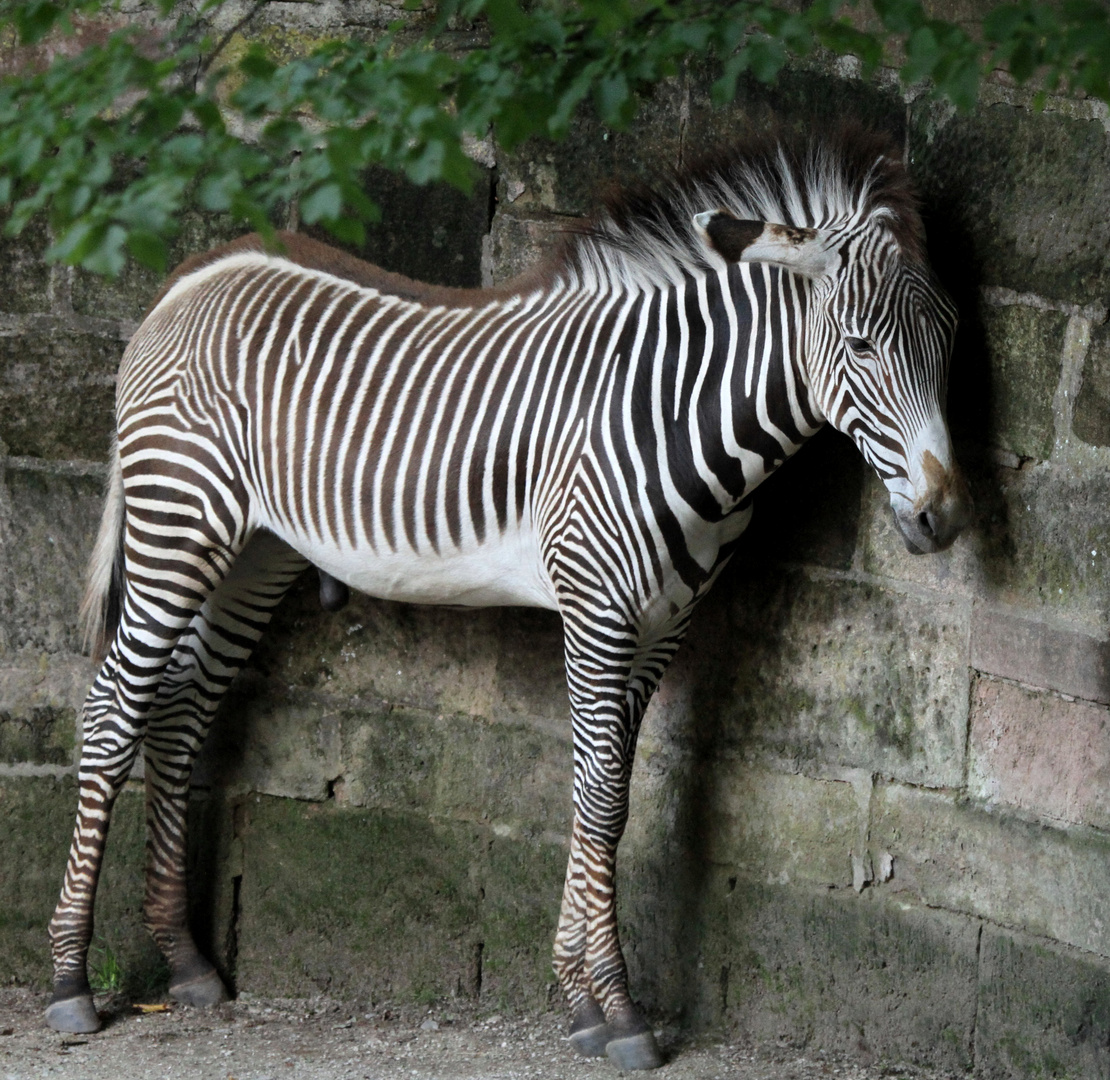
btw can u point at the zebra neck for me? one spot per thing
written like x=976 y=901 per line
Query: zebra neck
x=715 y=395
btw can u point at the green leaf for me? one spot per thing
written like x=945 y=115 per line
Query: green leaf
x=149 y=249
x=323 y=204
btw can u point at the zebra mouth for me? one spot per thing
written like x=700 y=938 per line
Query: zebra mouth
x=930 y=529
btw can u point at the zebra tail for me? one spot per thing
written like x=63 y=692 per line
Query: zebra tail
x=100 y=607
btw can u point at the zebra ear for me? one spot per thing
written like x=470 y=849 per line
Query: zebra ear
x=804 y=251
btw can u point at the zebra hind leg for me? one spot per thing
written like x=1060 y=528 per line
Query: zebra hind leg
x=110 y=743
x=116 y=714
x=209 y=656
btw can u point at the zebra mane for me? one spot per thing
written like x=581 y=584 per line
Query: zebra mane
x=645 y=235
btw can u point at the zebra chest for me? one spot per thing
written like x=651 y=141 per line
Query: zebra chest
x=504 y=570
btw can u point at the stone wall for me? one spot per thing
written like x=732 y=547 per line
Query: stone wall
x=870 y=809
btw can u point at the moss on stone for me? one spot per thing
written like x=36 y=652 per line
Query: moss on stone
x=57 y=392
x=44 y=735
x=1024 y=349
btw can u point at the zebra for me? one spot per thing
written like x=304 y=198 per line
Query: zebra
x=585 y=438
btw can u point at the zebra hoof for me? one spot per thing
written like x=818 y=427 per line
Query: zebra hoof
x=589 y=1032
x=591 y=1041
x=74 y=1016
x=634 y=1052
x=203 y=991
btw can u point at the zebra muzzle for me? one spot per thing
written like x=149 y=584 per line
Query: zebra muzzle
x=934 y=520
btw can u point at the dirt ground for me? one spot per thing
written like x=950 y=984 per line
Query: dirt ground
x=276 y=1039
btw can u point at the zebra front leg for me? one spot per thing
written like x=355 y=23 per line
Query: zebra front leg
x=608 y=698
x=110 y=743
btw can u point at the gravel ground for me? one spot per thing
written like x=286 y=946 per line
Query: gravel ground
x=275 y=1039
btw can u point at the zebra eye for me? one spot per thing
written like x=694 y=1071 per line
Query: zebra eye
x=860 y=346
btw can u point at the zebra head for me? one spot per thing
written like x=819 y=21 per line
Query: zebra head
x=878 y=341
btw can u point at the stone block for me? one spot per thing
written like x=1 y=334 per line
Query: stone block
x=1031 y=651
x=826 y=672
x=380 y=904
x=1043 y=1010
x=783 y=828
x=1039 y=225
x=47 y=532
x=851 y=974
x=35 y=683
x=1091 y=421
x=42 y=736
x=27 y=277
x=504 y=663
x=272 y=746
x=432 y=233
x=1024 y=349
x=1044 y=539
x=57 y=391
x=949 y=854
x=521 y=885
x=520 y=241
x=1045 y=755
x=36 y=824
x=459 y=767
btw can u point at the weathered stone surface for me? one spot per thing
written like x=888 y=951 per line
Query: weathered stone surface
x=273 y=746
x=32 y=679
x=858 y=974
x=520 y=241
x=47 y=529
x=1091 y=421
x=26 y=276
x=1046 y=755
x=1015 y=873
x=570 y=177
x=517 y=779
x=503 y=663
x=431 y=233
x=1024 y=350
x=1043 y=1010
x=36 y=824
x=828 y=671
x=1021 y=224
x=775 y=827
x=44 y=736
x=381 y=904
x=1030 y=651
x=803 y=99
x=1044 y=542
x=57 y=391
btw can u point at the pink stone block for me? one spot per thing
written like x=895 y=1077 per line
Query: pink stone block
x=1040 y=753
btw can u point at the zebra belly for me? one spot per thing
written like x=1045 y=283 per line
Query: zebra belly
x=504 y=571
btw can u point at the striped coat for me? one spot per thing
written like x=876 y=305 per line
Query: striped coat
x=585 y=439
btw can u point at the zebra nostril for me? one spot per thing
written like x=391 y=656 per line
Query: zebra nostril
x=927 y=521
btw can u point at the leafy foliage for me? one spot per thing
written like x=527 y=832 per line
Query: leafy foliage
x=114 y=141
